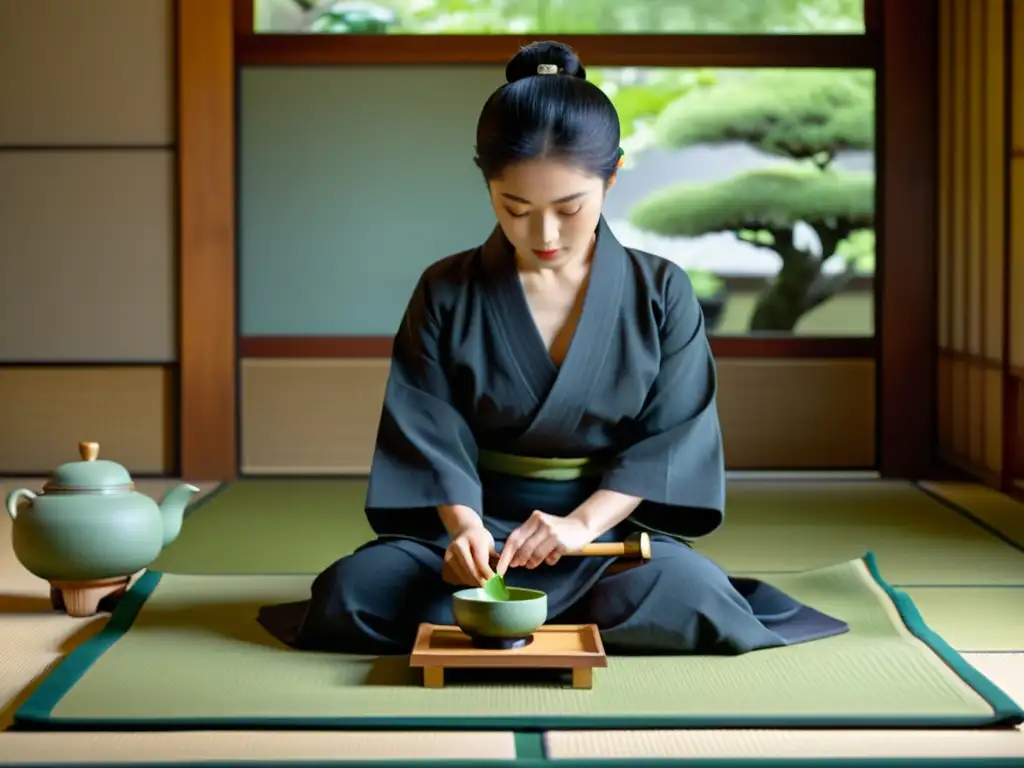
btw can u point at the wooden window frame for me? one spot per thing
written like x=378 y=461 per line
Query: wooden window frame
x=216 y=38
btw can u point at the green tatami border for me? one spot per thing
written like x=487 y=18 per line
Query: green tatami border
x=1005 y=711
x=37 y=711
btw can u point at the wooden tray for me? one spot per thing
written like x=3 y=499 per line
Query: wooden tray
x=557 y=646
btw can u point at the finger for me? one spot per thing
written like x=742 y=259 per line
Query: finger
x=492 y=560
x=526 y=552
x=481 y=566
x=543 y=549
x=508 y=551
x=464 y=564
x=453 y=572
x=505 y=559
x=534 y=529
x=554 y=557
x=467 y=562
x=518 y=538
x=448 y=573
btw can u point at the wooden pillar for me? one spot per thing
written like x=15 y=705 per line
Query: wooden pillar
x=906 y=227
x=206 y=266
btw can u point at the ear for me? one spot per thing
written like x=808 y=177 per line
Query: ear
x=611 y=182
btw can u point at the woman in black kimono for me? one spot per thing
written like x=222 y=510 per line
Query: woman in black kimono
x=548 y=389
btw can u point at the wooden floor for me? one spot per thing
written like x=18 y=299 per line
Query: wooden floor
x=33 y=638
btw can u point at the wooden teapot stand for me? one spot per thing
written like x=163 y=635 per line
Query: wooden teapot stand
x=82 y=599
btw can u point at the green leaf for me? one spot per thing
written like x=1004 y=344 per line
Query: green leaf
x=641 y=101
x=758 y=200
x=859 y=250
x=496 y=590
x=789 y=113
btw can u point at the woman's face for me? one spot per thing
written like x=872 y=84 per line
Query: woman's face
x=548 y=210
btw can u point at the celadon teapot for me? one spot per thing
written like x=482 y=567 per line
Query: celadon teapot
x=90 y=526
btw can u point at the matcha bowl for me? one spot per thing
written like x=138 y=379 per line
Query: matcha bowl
x=500 y=623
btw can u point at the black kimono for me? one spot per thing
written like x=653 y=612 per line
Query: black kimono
x=635 y=394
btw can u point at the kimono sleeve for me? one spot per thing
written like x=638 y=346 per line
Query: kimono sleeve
x=425 y=452
x=675 y=461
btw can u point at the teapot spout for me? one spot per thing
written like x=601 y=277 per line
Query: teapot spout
x=172 y=509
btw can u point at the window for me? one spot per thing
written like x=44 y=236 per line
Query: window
x=749 y=128
x=559 y=17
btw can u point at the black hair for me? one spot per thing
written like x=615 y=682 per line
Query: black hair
x=538 y=115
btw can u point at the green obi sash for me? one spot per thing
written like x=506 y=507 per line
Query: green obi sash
x=536 y=468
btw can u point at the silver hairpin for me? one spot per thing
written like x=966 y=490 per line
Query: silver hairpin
x=547 y=69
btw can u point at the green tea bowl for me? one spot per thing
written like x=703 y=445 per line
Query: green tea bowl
x=481 y=616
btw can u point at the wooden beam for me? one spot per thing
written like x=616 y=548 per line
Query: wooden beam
x=723 y=346
x=206 y=264
x=906 y=232
x=845 y=51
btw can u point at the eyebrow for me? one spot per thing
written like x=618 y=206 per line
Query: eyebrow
x=524 y=201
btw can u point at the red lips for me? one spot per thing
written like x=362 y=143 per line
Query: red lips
x=546 y=255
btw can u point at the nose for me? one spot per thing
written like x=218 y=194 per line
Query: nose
x=548 y=234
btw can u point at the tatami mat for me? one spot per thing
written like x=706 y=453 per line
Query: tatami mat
x=32 y=638
x=916 y=539
x=990 y=507
x=284 y=746
x=750 y=745
x=193 y=656
x=969 y=618
x=1006 y=669
x=974 y=618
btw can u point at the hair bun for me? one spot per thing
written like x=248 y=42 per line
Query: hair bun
x=530 y=57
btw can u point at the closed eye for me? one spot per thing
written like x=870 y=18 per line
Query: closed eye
x=515 y=215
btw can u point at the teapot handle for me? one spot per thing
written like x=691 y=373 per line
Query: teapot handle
x=14 y=497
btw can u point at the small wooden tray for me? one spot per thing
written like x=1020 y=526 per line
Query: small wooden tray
x=557 y=646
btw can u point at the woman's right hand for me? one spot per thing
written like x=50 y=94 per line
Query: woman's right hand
x=468 y=558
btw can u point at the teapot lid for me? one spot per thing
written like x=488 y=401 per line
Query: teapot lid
x=89 y=474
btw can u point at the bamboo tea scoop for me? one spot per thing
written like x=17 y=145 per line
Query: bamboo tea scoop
x=636 y=545
x=635 y=550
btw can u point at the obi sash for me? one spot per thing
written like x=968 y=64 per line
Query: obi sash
x=536 y=468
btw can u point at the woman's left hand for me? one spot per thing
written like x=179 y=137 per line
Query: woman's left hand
x=543 y=538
